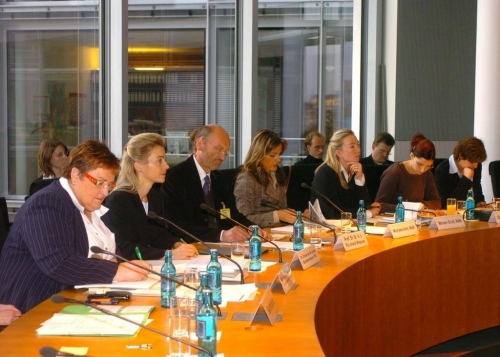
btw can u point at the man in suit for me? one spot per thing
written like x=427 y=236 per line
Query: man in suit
x=315 y=146
x=196 y=181
x=381 y=149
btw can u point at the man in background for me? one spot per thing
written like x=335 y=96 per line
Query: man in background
x=315 y=146
x=381 y=150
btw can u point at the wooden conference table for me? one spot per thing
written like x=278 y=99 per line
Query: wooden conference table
x=395 y=297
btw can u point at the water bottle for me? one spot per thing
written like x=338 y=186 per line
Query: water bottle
x=298 y=232
x=206 y=325
x=255 y=250
x=400 y=210
x=214 y=269
x=361 y=216
x=470 y=204
x=199 y=292
x=167 y=286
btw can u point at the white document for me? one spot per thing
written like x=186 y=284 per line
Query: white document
x=132 y=285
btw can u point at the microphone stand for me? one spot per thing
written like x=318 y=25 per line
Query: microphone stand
x=96 y=249
x=306 y=186
x=213 y=211
x=57 y=299
x=153 y=215
x=266 y=203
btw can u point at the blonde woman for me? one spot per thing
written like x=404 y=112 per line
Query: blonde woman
x=137 y=236
x=340 y=178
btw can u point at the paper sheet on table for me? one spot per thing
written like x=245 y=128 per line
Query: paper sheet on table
x=132 y=285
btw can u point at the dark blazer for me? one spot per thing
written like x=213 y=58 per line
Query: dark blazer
x=309 y=160
x=47 y=251
x=327 y=181
x=184 y=195
x=132 y=227
x=369 y=161
x=454 y=186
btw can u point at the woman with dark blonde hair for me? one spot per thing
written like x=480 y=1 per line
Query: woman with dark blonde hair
x=143 y=164
x=340 y=178
x=49 y=244
x=412 y=179
x=261 y=177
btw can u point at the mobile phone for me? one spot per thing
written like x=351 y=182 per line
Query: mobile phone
x=116 y=295
x=103 y=301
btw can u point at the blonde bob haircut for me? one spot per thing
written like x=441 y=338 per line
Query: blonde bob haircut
x=137 y=149
x=331 y=159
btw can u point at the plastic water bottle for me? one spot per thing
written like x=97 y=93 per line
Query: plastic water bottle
x=298 y=232
x=361 y=216
x=400 y=210
x=206 y=325
x=167 y=286
x=470 y=204
x=255 y=250
x=214 y=269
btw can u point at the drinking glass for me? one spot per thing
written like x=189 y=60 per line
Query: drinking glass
x=451 y=206
x=237 y=250
x=460 y=207
x=315 y=235
x=179 y=326
x=496 y=204
x=191 y=278
x=345 y=222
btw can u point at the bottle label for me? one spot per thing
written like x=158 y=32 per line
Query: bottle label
x=205 y=327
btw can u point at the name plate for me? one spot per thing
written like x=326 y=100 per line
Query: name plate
x=400 y=230
x=447 y=222
x=495 y=217
x=269 y=305
x=284 y=278
x=351 y=241
x=306 y=257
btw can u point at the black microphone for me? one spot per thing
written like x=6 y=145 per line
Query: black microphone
x=306 y=186
x=153 y=215
x=57 y=299
x=213 y=211
x=266 y=203
x=96 y=249
x=48 y=351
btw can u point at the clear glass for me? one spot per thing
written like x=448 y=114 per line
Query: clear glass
x=50 y=81
x=304 y=74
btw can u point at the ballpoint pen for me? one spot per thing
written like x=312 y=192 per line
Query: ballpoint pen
x=138 y=253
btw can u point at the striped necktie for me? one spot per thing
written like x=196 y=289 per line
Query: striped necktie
x=206 y=185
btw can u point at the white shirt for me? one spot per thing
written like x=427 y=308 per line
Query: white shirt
x=97 y=232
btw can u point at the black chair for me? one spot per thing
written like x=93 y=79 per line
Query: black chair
x=38 y=184
x=494 y=169
x=297 y=197
x=372 y=178
x=3 y=233
x=4 y=213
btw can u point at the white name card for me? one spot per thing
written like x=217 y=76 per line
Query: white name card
x=306 y=257
x=284 y=278
x=351 y=241
x=447 y=222
x=400 y=230
x=495 y=217
x=269 y=305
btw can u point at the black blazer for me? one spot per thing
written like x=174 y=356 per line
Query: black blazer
x=369 y=161
x=454 y=186
x=184 y=195
x=127 y=219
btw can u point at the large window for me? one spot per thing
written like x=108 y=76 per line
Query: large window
x=48 y=57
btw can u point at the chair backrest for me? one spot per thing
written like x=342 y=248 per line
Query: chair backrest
x=494 y=169
x=37 y=185
x=4 y=213
x=372 y=178
x=298 y=197
x=3 y=233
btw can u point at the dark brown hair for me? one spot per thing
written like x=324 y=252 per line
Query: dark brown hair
x=471 y=149
x=45 y=151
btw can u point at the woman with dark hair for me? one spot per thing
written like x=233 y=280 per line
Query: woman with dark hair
x=461 y=172
x=49 y=245
x=261 y=177
x=52 y=155
x=412 y=179
x=340 y=178
x=143 y=164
